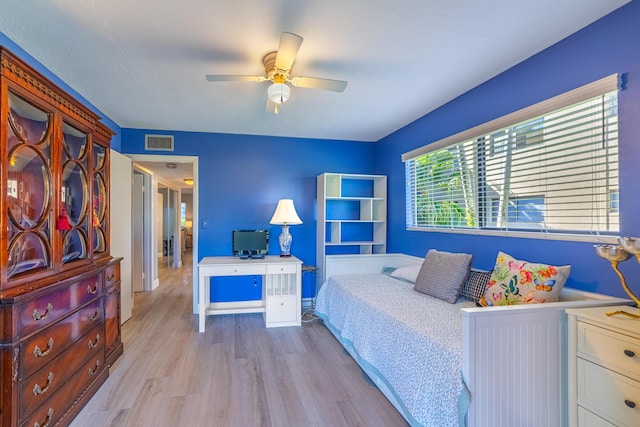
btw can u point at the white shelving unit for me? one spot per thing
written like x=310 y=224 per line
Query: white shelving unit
x=351 y=217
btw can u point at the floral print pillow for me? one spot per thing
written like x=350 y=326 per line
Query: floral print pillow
x=522 y=282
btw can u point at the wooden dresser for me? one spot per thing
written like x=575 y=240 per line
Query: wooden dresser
x=60 y=286
x=604 y=368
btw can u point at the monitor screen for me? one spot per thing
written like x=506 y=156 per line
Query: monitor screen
x=250 y=242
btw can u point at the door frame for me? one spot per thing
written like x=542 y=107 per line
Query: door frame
x=150 y=205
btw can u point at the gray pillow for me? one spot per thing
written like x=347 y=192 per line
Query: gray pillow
x=443 y=274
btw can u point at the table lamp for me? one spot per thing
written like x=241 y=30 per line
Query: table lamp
x=615 y=254
x=285 y=215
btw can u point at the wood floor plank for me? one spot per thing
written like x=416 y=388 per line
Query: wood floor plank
x=236 y=373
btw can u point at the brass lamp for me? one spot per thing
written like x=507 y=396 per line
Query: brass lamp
x=615 y=254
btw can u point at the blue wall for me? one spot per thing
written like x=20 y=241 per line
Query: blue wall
x=610 y=45
x=241 y=179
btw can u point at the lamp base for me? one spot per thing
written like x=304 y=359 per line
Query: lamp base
x=623 y=313
x=285 y=256
x=285 y=240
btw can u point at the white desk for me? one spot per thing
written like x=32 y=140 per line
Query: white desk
x=281 y=300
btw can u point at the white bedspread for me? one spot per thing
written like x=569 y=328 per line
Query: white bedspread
x=411 y=340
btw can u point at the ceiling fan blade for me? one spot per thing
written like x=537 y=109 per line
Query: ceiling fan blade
x=287 y=50
x=232 y=78
x=317 y=83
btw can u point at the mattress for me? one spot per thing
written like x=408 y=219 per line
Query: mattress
x=413 y=342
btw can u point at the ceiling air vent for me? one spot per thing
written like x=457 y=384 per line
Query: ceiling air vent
x=158 y=142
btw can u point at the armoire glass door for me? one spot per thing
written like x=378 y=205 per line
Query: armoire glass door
x=29 y=187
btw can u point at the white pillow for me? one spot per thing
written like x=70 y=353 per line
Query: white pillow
x=408 y=272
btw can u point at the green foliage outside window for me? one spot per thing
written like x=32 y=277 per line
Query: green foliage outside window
x=441 y=182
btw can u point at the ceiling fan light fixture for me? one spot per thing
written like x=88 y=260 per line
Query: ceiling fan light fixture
x=279 y=93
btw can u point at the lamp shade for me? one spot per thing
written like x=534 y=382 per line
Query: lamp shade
x=279 y=93
x=285 y=213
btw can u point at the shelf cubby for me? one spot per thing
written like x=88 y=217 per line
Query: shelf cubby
x=352 y=215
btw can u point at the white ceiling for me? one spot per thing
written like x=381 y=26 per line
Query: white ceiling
x=143 y=62
x=173 y=175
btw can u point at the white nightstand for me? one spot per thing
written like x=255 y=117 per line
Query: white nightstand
x=604 y=368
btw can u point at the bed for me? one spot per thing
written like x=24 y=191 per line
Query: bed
x=489 y=366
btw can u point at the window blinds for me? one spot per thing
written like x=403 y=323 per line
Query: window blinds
x=552 y=167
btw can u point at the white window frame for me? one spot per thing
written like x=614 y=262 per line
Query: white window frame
x=597 y=88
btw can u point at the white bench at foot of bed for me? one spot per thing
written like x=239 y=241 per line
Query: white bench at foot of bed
x=514 y=358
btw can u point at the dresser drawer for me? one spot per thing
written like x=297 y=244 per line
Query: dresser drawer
x=611 y=349
x=235 y=270
x=51 y=411
x=281 y=269
x=44 y=383
x=610 y=395
x=280 y=309
x=52 y=306
x=112 y=274
x=48 y=344
x=589 y=419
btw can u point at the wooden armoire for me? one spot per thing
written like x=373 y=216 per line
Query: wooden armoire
x=60 y=287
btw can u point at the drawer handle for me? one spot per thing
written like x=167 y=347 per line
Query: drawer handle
x=37 y=390
x=629 y=353
x=92 y=372
x=110 y=277
x=94 y=290
x=46 y=421
x=37 y=316
x=93 y=316
x=94 y=344
x=39 y=353
x=630 y=403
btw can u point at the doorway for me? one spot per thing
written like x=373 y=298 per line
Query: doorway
x=169 y=229
x=154 y=179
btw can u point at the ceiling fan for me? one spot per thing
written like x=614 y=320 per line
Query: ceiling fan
x=277 y=67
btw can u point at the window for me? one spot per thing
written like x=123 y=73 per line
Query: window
x=614 y=201
x=550 y=168
x=521 y=135
x=183 y=214
x=520 y=210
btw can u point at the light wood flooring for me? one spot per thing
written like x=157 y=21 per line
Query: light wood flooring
x=237 y=373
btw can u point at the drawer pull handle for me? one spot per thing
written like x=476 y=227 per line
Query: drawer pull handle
x=37 y=316
x=93 y=316
x=110 y=277
x=94 y=290
x=629 y=353
x=39 y=353
x=46 y=421
x=94 y=344
x=92 y=372
x=37 y=390
x=630 y=403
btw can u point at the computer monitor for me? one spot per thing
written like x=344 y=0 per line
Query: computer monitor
x=250 y=242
